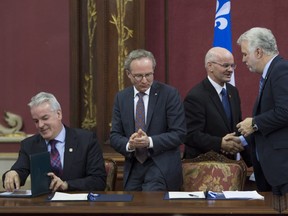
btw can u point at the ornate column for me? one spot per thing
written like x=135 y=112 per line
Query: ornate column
x=103 y=32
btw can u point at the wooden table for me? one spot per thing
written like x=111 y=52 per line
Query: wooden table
x=143 y=203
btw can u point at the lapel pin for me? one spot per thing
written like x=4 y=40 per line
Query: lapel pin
x=70 y=149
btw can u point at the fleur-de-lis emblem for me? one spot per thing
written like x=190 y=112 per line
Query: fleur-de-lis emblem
x=221 y=22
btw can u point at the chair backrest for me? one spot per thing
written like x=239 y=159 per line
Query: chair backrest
x=111 y=170
x=213 y=172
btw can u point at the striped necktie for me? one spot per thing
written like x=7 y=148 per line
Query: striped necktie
x=55 y=159
x=140 y=153
x=261 y=83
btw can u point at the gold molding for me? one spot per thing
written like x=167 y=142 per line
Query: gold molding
x=89 y=121
x=124 y=33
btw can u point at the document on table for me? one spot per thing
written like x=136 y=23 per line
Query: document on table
x=59 y=196
x=17 y=193
x=242 y=195
x=187 y=195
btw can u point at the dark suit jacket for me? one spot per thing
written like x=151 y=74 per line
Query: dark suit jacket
x=84 y=167
x=165 y=125
x=206 y=119
x=271 y=115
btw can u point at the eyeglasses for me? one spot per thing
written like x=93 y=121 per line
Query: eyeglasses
x=139 y=77
x=226 y=65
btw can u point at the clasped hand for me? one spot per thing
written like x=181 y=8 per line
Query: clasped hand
x=138 y=139
x=231 y=144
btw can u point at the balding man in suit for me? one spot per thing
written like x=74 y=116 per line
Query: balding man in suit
x=208 y=125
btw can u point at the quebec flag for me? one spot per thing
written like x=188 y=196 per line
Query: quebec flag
x=222 y=28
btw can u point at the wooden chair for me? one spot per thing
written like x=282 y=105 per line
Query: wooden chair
x=213 y=172
x=111 y=170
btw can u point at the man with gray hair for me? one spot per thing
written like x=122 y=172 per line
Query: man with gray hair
x=80 y=163
x=268 y=125
x=148 y=126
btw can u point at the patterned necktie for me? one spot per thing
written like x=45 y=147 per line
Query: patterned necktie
x=55 y=159
x=261 y=83
x=140 y=153
x=226 y=104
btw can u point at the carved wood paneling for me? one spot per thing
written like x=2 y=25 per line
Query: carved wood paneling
x=103 y=32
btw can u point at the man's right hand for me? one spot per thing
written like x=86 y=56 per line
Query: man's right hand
x=11 y=181
x=138 y=139
x=231 y=144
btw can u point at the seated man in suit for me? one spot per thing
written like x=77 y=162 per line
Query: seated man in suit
x=209 y=125
x=148 y=126
x=80 y=164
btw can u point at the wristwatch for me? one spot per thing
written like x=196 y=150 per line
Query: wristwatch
x=254 y=125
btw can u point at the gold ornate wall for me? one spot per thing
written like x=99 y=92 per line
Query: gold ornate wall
x=102 y=34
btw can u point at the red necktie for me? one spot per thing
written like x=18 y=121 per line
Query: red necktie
x=141 y=153
x=55 y=159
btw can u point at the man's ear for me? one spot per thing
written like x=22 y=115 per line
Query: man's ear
x=59 y=114
x=258 y=52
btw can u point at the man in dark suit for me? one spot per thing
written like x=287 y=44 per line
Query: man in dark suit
x=81 y=159
x=269 y=125
x=208 y=126
x=163 y=131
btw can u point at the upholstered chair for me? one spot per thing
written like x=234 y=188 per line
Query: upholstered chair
x=213 y=172
x=111 y=170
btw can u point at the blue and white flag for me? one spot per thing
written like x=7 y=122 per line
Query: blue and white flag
x=222 y=28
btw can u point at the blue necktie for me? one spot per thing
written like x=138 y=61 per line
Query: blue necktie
x=226 y=104
x=140 y=153
x=261 y=83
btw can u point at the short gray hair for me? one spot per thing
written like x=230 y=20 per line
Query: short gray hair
x=44 y=97
x=138 y=54
x=258 y=37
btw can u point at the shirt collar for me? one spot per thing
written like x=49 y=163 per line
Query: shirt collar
x=217 y=87
x=60 y=137
x=147 y=92
x=266 y=67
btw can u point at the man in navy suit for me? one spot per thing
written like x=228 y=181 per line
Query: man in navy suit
x=268 y=125
x=164 y=129
x=208 y=126
x=80 y=153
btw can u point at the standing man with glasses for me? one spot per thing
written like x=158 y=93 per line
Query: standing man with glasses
x=213 y=109
x=148 y=126
x=268 y=126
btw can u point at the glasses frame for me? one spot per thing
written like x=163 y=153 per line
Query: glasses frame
x=139 y=77
x=225 y=65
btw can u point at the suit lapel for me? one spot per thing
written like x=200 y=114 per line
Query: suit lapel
x=153 y=97
x=40 y=145
x=71 y=146
x=216 y=100
x=233 y=104
x=130 y=109
x=257 y=102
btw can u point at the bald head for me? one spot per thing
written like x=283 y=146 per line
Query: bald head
x=219 y=64
x=217 y=54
